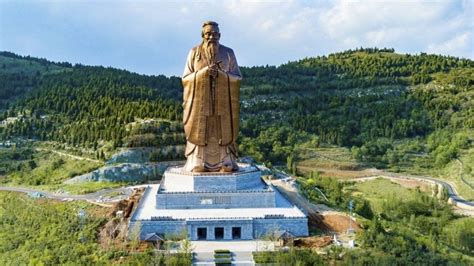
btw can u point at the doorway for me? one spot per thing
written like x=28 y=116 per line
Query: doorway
x=236 y=232
x=219 y=233
x=202 y=233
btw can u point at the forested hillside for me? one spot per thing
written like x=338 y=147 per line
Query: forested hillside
x=381 y=104
x=83 y=105
x=366 y=99
x=19 y=75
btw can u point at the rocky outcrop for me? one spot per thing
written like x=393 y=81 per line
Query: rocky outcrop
x=126 y=172
x=132 y=155
x=144 y=154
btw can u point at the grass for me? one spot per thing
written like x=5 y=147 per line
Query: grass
x=263 y=256
x=48 y=232
x=453 y=231
x=113 y=194
x=84 y=187
x=49 y=169
x=380 y=190
x=452 y=173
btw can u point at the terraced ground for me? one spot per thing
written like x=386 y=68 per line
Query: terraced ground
x=333 y=161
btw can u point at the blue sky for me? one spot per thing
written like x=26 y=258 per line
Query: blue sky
x=153 y=37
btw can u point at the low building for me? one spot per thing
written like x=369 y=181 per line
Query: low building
x=216 y=206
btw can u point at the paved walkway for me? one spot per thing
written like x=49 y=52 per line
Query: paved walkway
x=292 y=193
x=241 y=250
x=238 y=258
x=234 y=246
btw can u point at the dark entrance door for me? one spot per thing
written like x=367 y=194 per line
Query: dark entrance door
x=236 y=232
x=202 y=233
x=219 y=233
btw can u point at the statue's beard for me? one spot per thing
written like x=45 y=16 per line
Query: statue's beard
x=212 y=49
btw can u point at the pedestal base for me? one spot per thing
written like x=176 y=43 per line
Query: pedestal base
x=214 y=206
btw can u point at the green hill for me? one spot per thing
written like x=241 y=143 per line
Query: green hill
x=84 y=105
x=392 y=110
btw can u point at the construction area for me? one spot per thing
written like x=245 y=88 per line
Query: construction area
x=114 y=233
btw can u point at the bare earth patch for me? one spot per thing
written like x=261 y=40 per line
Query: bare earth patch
x=332 y=222
x=313 y=241
x=114 y=232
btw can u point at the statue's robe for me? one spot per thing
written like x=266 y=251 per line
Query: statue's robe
x=211 y=122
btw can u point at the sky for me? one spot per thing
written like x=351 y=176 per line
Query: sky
x=154 y=37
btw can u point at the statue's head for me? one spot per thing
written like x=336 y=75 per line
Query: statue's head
x=210 y=32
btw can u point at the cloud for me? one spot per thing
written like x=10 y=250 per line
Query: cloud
x=459 y=45
x=154 y=37
x=408 y=26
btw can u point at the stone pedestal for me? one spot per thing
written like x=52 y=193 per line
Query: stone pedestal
x=217 y=206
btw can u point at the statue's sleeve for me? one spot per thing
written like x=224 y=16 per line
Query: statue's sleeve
x=228 y=103
x=234 y=70
x=195 y=108
x=189 y=66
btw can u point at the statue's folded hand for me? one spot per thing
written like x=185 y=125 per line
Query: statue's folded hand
x=213 y=70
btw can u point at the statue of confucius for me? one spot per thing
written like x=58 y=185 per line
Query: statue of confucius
x=211 y=82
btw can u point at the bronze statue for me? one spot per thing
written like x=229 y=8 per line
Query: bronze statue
x=211 y=82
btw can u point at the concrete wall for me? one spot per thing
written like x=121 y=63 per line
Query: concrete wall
x=245 y=225
x=250 y=228
x=166 y=228
x=224 y=182
x=264 y=227
x=249 y=199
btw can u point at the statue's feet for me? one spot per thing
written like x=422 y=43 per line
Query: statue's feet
x=199 y=169
x=226 y=168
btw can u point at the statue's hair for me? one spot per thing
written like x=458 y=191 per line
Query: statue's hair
x=208 y=23
x=211 y=23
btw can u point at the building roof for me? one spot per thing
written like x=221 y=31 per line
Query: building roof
x=153 y=237
x=284 y=234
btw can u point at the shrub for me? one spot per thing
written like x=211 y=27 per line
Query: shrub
x=217 y=251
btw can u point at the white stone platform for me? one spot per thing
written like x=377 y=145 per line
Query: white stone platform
x=217 y=206
x=147 y=210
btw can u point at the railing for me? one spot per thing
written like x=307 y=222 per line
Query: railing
x=266 y=217
x=267 y=190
